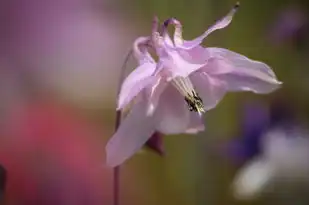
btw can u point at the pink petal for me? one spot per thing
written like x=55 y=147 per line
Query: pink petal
x=172 y=114
x=224 y=22
x=197 y=54
x=210 y=90
x=239 y=61
x=196 y=124
x=154 y=94
x=135 y=82
x=131 y=135
x=176 y=65
x=241 y=73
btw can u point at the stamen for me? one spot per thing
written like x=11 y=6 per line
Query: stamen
x=185 y=87
x=195 y=103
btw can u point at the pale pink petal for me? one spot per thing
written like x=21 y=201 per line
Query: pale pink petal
x=248 y=83
x=154 y=94
x=241 y=73
x=159 y=68
x=176 y=65
x=146 y=58
x=140 y=51
x=196 y=124
x=197 y=54
x=172 y=114
x=222 y=23
x=132 y=134
x=210 y=90
x=135 y=82
x=238 y=60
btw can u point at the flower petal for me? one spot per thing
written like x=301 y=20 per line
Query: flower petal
x=176 y=65
x=131 y=135
x=135 y=82
x=222 y=23
x=197 y=54
x=154 y=94
x=210 y=90
x=172 y=114
x=196 y=124
x=241 y=73
x=238 y=60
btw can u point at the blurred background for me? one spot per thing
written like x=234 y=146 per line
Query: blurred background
x=59 y=68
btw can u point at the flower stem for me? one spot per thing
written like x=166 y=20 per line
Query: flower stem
x=116 y=179
x=3 y=181
x=116 y=170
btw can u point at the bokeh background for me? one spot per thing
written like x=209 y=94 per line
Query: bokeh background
x=60 y=62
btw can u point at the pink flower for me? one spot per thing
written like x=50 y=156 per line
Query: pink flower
x=171 y=95
x=224 y=70
x=158 y=106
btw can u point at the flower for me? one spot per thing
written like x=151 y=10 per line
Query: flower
x=157 y=107
x=283 y=159
x=170 y=95
x=256 y=118
x=223 y=70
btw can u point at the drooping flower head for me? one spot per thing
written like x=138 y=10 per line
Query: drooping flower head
x=171 y=94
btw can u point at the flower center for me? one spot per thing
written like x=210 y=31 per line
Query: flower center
x=193 y=100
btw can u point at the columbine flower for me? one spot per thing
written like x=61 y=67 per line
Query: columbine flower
x=223 y=70
x=158 y=106
x=171 y=95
